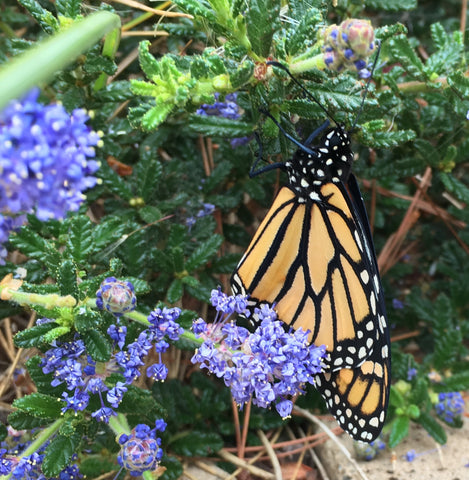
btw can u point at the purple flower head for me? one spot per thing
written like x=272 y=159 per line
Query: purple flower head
x=227 y=109
x=348 y=46
x=116 y=296
x=140 y=451
x=104 y=414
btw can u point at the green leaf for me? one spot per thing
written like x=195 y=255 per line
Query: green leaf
x=399 y=430
x=459 y=82
x=150 y=214
x=45 y=18
x=155 y=116
x=34 y=246
x=456 y=383
x=392 y=5
x=197 y=443
x=455 y=186
x=148 y=172
x=305 y=32
x=203 y=253
x=433 y=427
x=96 y=63
x=55 y=333
x=34 y=336
x=87 y=319
x=387 y=139
x=148 y=63
x=241 y=75
x=175 y=291
x=39 y=405
x=24 y=421
x=41 y=380
x=59 y=452
x=403 y=53
x=395 y=398
x=262 y=21
x=213 y=126
x=98 y=345
x=67 y=278
x=196 y=8
x=68 y=8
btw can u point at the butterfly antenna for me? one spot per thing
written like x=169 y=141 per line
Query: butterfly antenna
x=305 y=90
x=360 y=110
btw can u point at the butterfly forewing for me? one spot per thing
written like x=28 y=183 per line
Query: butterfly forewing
x=312 y=258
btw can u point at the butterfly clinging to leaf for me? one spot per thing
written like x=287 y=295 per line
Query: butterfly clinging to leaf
x=312 y=259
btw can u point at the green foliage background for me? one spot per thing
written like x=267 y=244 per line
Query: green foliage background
x=413 y=119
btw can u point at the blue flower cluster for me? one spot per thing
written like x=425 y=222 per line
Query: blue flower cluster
x=83 y=377
x=450 y=407
x=267 y=366
x=28 y=467
x=205 y=210
x=368 y=451
x=141 y=450
x=45 y=162
x=227 y=109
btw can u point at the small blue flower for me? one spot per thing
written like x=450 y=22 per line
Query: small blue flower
x=104 y=414
x=411 y=455
x=450 y=407
x=411 y=374
x=397 y=304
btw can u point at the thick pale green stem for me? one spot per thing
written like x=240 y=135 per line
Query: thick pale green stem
x=43 y=437
x=39 y=64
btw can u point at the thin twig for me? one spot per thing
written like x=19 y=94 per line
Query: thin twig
x=326 y=429
x=271 y=453
x=258 y=472
x=156 y=11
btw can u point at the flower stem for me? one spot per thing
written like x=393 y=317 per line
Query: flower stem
x=39 y=64
x=40 y=440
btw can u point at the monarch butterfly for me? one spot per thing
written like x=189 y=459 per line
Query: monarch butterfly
x=313 y=259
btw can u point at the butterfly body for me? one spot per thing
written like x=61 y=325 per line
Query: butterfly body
x=312 y=258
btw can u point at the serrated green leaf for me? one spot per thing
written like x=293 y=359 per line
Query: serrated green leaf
x=458 y=382
x=34 y=336
x=262 y=21
x=459 y=82
x=34 y=246
x=196 y=8
x=97 y=63
x=399 y=430
x=225 y=264
x=175 y=291
x=41 y=380
x=150 y=214
x=45 y=18
x=87 y=319
x=431 y=425
x=68 y=8
x=59 y=452
x=98 y=345
x=155 y=116
x=148 y=63
x=213 y=126
x=55 y=333
x=392 y=5
x=395 y=398
x=67 y=278
x=197 y=443
x=148 y=172
x=387 y=139
x=203 y=253
x=23 y=421
x=39 y=405
x=241 y=75
x=455 y=186
x=305 y=32
x=403 y=53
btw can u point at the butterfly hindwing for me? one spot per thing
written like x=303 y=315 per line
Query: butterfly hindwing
x=312 y=258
